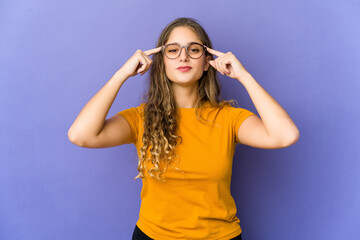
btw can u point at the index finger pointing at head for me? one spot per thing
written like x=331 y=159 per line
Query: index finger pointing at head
x=216 y=53
x=152 y=51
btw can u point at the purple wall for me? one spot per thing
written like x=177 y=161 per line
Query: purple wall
x=55 y=55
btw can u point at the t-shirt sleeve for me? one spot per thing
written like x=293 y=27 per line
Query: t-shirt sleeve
x=239 y=115
x=132 y=116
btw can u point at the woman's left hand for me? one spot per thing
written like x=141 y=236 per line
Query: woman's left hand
x=227 y=64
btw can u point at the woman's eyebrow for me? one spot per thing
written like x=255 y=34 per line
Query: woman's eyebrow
x=187 y=43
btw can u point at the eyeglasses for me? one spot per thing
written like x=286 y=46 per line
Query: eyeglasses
x=193 y=50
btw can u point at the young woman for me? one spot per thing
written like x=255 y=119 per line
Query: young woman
x=185 y=135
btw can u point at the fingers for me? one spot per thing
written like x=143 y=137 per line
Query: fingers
x=144 y=64
x=145 y=61
x=152 y=51
x=222 y=63
x=218 y=67
x=216 y=63
x=149 y=63
x=216 y=53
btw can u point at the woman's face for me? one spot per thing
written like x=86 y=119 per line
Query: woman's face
x=183 y=36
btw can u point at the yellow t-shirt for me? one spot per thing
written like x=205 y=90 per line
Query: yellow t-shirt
x=196 y=202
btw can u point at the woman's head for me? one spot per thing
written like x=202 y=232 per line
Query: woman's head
x=184 y=48
x=161 y=113
x=183 y=31
x=164 y=71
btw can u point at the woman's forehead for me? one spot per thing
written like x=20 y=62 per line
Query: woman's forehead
x=183 y=35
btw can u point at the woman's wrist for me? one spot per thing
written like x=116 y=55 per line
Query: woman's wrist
x=121 y=76
x=243 y=77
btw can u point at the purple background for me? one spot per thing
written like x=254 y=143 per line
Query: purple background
x=55 y=55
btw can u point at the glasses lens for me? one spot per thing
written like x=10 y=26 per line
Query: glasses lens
x=195 y=50
x=172 y=50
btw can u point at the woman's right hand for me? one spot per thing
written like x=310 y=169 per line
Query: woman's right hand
x=139 y=62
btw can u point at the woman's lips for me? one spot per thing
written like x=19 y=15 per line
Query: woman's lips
x=184 y=69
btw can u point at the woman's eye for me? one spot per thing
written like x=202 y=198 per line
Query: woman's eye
x=174 y=50
x=194 y=50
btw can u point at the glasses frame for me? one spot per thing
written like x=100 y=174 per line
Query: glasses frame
x=186 y=49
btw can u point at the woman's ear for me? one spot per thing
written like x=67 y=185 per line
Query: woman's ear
x=207 y=64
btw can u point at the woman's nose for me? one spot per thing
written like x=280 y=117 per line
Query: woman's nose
x=183 y=54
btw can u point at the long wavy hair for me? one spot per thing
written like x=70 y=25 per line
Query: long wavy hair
x=161 y=113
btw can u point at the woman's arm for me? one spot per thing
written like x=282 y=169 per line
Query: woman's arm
x=91 y=118
x=90 y=128
x=275 y=129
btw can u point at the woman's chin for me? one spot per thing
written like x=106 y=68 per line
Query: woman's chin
x=184 y=82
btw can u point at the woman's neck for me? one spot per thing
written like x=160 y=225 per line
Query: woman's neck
x=185 y=97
